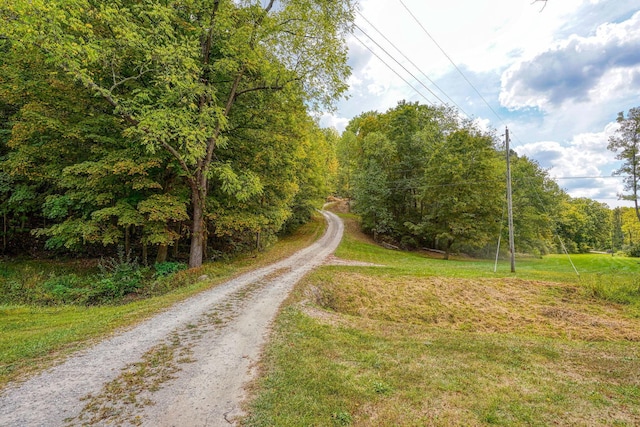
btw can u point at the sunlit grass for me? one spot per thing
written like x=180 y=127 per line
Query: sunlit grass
x=348 y=371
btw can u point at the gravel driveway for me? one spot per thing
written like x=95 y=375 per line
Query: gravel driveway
x=184 y=367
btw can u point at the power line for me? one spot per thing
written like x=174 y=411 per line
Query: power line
x=412 y=63
x=398 y=62
x=587 y=177
x=451 y=61
x=391 y=68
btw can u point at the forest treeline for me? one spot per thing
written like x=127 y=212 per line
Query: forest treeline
x=420 y=176
x=73 y=182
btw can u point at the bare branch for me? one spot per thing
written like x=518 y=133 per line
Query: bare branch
x=543 y=6
x=211 y=142
x=107 y=97
x=140 y=74
x=179 y=158
x=269 y=6
x=253 y=89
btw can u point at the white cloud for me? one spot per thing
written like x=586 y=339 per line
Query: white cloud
x=576 y=68
x=582 y=166
x=376 y=89
x=328 y=120
x=587 y=54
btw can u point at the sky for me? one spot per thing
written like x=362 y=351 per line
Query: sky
x=557 y=74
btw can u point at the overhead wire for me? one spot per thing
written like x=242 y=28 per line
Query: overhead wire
x=451 y=61
x=413 y=16
x=419 y=69
x=392 y=69
x=447 y=96
x=398 y=62
x=412 y=63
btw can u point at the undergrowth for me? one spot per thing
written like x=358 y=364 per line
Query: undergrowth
x=117 y=280
x=612 y=288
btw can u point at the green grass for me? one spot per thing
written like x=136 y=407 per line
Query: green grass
x=556 y=267
x=31 y=338
x=423 y=341
x=397 y=375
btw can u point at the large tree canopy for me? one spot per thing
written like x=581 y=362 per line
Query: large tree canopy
x=185 y=77
x=421 y=176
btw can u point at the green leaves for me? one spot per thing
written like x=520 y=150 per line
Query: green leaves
x=242 y=187
x=195 y=90
x=423 y=178
x=163 y=208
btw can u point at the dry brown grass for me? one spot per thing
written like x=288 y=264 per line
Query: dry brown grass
x=432 y=351
x=481 y=305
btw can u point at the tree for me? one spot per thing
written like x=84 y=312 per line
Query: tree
x=536 y=204
x=402 y=169
x=462 y=191
x=626 y=143
x=347 y=155
x=72 y=173
x=403 y=125
x=630 y=226
x=617 y=233
x=584 y=225
x=174 y=72
x=372 y=188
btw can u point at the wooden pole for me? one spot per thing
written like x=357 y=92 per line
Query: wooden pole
x=512 y=248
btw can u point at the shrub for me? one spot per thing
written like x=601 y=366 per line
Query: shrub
x=66 y=289
x=614 y=289
x=118 y=277
x=167 y=268
x=634 y=250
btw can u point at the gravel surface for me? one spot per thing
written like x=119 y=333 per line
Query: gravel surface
x=184 y=367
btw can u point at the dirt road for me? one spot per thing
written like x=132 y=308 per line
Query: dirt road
x=184 y=367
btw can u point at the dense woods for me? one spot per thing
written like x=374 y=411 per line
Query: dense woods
x=150 y=124
x=422 y=177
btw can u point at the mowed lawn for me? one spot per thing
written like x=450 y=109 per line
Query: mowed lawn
x=419 y=341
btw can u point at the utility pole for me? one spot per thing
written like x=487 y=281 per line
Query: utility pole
x=512 y=247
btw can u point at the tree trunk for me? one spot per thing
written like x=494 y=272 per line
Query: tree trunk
x=4 y=233
x=205 y=240
x=145 y=257
x=127 y=243
x=448 y=249
x=163 y=251
x=635 y=179
x=197 y=229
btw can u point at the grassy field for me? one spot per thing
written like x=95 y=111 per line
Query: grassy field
x=421 y=341
x=31 y=337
